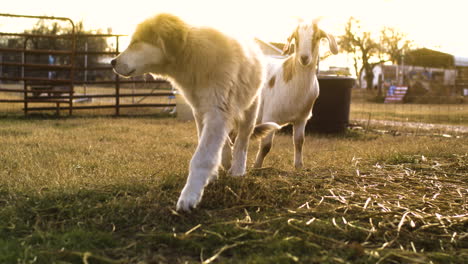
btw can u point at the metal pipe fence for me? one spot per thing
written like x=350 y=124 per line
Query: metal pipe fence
x=68 y=84
x=418 y=112
x=80 y=79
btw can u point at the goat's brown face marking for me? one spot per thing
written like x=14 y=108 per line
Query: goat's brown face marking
x=288 y=69
x=271 y=83
x=307 y=38
x=289 y=48
x=296 y=38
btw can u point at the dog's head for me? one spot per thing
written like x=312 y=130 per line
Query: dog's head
x=157 y=41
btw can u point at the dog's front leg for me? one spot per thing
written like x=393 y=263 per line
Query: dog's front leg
x=206 y=160
x=227 y=154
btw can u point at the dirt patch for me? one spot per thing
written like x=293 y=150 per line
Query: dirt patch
x=416 y=125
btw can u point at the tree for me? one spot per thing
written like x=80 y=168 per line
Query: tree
x=363 y=46
x=394 y=44
x=391 y=46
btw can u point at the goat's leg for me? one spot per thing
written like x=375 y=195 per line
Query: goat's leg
x=206 y=160
x=264 y=149
x=298 y=135
x=245 y=130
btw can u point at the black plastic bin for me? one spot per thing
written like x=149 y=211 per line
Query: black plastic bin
x=331 y=109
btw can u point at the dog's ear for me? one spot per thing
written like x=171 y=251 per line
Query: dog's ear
x=171 y=34
x=172 y=42
x=331 y=41
x=162 y=45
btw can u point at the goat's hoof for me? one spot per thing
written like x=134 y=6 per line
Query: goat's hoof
x=257 y=166
x=299 y=166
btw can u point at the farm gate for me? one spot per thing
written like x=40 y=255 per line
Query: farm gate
x=37 y=74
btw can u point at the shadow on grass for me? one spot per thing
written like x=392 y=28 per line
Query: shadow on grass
x=268 y=216
x=136 y=222
x=348 y=134
x=50 y=116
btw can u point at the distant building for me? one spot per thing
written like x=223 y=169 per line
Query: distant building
x=427 y=68
x=461 y=82
x=393 y=74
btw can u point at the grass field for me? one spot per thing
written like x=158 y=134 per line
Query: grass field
x=449 y=114
x=103 y=190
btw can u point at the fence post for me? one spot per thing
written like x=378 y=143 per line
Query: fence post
x=25 y=98
x=72 y=70
x=25 y=85
x=117 y=84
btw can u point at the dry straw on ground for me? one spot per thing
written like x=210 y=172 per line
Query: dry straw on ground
x=103 y=190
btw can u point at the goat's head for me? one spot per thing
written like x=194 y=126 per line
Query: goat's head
x=306 y=41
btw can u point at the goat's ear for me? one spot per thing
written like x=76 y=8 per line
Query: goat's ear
x=289 y=47
x=331 y=42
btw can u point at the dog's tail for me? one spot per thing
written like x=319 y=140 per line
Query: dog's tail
x=262 y=130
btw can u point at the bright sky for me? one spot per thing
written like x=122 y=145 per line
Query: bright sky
x=430 y=23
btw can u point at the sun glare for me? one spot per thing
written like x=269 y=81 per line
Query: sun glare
x=428 y=23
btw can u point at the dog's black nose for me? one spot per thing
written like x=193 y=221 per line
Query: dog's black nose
x=113 y=62
x=304 y=60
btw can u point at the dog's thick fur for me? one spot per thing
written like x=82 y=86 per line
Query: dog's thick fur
x=218 y=76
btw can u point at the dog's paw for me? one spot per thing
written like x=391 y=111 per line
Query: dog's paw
x=188 y=200
x=237 y=171
x=213 y=177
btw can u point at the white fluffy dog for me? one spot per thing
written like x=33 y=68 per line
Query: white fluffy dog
x=218 y=76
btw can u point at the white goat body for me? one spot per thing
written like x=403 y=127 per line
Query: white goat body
x=291 y=88
x=285 y=102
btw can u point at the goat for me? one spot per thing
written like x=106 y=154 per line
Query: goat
x=291 y=88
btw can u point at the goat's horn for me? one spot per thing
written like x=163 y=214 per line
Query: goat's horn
x=317 y=20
